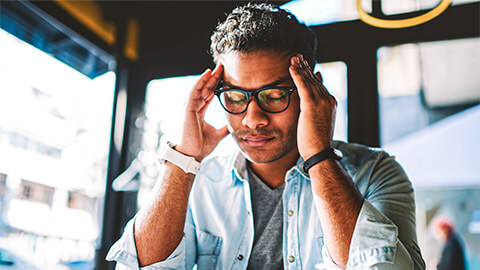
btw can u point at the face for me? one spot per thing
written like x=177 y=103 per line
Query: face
x=440 y=234
x=262 y=137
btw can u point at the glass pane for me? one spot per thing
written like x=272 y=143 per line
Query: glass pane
x=391 y=7
x=54 y=137
x=314 y=12
x=334 y=76
x=429 y=115
x=434 y=80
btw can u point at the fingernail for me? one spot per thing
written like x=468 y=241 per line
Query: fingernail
x=300 y=62
x=301 y=57
x=297 y=60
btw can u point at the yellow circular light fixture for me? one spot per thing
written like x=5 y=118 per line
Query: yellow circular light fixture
x=401 y=23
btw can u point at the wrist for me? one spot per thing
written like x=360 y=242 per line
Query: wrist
x=185 y=162
x=328 y=154
x=183 y=150
x=179 y=172
x=321 y=167
x=313 y=148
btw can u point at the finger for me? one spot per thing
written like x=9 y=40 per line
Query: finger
x=195 y=96
x=207 y=101
x=318 y=80
x=201 y=81
x=214 y=79
x=300 y=80
x=200 y=92
x=319 y=76
x=308 y=75
x=307 y=71
x=322 y=88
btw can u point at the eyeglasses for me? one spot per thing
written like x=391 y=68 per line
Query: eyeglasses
x=270 y=99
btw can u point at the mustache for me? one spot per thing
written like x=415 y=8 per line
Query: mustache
x=257 y=132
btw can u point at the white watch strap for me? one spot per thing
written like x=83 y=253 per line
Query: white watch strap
x=186 y=163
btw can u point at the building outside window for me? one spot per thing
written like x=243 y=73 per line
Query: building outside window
x=54 y=137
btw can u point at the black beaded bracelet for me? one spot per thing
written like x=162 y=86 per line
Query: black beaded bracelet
x=325 y=154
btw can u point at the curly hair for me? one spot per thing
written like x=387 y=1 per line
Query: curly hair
x=262 y=27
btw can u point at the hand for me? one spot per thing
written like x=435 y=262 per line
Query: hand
x=199 y=138
x=317 y=109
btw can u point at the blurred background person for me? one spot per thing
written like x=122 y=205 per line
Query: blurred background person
x=452 y=256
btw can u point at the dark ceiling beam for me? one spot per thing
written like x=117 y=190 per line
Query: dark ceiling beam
x=338 y=41
x=377 y=8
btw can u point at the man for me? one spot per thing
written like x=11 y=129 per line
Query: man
x=452 y=256
x=286 y=199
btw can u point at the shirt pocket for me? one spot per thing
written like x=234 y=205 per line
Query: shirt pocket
x=208 y=249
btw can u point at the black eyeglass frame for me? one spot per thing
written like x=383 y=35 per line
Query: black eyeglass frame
x=254 y=94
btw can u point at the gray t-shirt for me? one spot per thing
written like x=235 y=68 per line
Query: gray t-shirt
x=267 y=251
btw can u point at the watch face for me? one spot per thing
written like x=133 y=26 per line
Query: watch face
x=338 y=153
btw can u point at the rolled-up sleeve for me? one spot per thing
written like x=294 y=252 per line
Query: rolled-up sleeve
x=385 y=232
x=375 y=243
x=124 y=251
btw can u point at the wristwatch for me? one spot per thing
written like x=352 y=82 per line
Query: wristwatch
x=325 y=154
x=187 y=163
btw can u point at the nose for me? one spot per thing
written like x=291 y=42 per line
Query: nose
x=254 y=117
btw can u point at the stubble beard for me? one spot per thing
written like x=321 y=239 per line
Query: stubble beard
x=284 y=144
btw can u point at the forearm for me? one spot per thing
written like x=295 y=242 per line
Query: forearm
x=338 y=204
x=164 y=216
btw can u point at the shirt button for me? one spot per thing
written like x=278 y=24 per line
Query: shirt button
x=240 y=257
x=290 y=212
x=291 y=258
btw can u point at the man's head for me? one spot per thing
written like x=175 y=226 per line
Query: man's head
x=266 y=27
x=443 y=228
x=255 y=44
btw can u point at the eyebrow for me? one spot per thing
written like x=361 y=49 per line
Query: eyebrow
x=274 y=83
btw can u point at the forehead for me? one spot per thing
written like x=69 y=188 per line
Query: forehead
x=253 y=70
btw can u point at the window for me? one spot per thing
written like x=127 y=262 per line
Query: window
x=54 y=140
x=315 y=12
x=334 y=76
x=424 y=83
x=429 y=117
x=390 y=7
x=31 y=191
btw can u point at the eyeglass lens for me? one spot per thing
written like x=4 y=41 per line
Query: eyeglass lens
x=270 y=100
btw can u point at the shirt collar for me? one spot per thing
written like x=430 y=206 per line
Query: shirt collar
x=238 y=167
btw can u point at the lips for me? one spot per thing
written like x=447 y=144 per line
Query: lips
x=257 y=141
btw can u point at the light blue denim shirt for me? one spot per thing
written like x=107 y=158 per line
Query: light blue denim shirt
x=218 y=232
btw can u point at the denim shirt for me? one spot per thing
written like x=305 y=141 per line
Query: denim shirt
x=219 y=232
